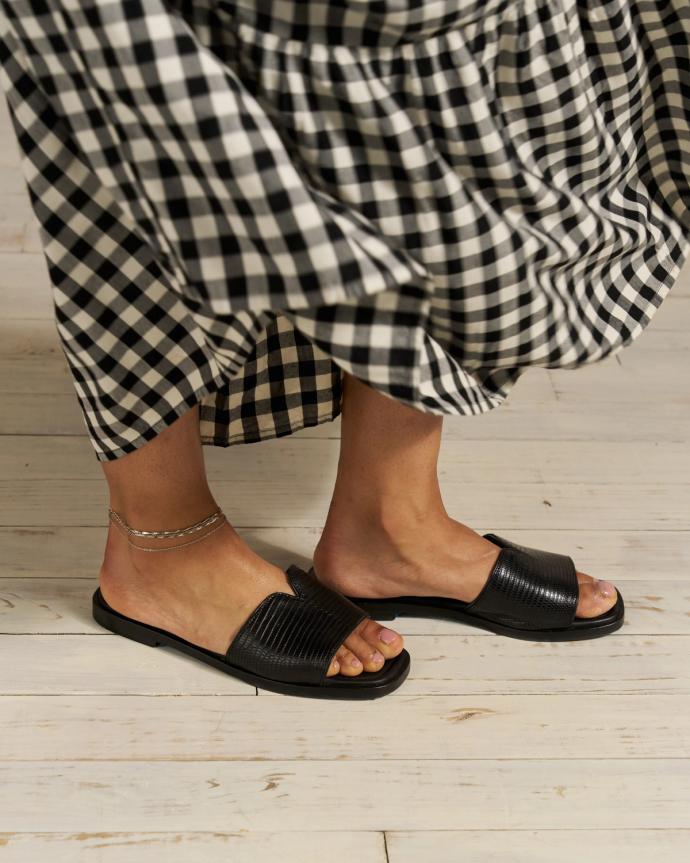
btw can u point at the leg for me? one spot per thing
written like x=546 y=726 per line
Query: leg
x=387 y=531
x=205 y=592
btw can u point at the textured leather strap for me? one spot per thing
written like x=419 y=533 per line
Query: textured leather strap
x=528 y=588
x=294 y=638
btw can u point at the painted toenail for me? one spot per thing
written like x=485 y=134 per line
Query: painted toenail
x=355 y=663
x=606 y=588
x=377 y=657
x=387 y=636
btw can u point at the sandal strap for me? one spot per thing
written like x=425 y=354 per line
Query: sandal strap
x=293 y=638
x=528 y=588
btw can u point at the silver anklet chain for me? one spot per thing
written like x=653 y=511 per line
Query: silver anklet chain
x=175 y=547
x=166 y=534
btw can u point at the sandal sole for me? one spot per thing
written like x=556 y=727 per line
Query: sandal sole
x=368 y=685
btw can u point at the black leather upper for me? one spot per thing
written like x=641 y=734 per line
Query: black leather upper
x=528 y=588
x=294 y=638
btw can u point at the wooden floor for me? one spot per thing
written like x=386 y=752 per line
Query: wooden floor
x=493 y=750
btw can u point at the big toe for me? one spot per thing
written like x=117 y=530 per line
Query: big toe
x=387 y=641
x=596 y=596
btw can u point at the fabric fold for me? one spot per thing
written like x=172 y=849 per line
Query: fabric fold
x=241 y=200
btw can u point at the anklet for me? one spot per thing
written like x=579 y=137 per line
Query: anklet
x=175 y=547
x=166 y=534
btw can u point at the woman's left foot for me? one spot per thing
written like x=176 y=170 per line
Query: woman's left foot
x=420 y=556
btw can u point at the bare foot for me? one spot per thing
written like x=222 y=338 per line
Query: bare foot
x=413 y=556
x=205 y=592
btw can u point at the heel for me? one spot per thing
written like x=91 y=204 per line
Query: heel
x=121 y=625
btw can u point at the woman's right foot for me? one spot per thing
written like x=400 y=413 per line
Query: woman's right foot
x=205 y=592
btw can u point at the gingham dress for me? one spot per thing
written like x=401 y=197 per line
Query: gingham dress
x=240 y=200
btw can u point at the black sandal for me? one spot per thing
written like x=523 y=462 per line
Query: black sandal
x=530 y=594
x=286 y=645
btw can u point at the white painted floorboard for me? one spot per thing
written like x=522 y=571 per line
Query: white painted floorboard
x=493 y=751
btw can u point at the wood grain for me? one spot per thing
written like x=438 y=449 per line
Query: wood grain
x=288 y=795
x=445 y=727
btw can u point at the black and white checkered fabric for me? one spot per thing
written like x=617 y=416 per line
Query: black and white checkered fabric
x=239 y=200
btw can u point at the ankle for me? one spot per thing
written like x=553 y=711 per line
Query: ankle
x=389 y=517
x=356 y=539
x=163 y=513
x=357 y=554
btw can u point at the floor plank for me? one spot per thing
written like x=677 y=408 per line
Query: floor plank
x=538 y=846
x=289 y=795
x=182 y=847
x=232 y=728
x=682 y=286
x=106 y=664
x=18 y=227
x=25 y=288
x=103 y=663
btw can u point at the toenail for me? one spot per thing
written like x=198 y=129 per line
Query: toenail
x=377 y=657
x=355 y=663
x=387 y=636
x=606 y=588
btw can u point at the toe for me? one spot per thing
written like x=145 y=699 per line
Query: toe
x=596 y=596
x=369 y=655
x=386 y=641
x=350 y=665
x=334 y=667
